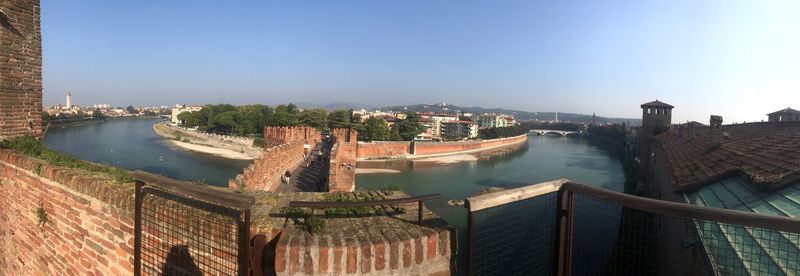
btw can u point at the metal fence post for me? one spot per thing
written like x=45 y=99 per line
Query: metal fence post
x=244 y=244
x=563 y=232
x=137 y=230
x=470 y=240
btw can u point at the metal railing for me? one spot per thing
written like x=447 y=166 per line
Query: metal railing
x=565 y=228
x=354 y=204
x=183 y=228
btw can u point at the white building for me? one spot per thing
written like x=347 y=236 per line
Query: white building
x=495 y=120
x=178 y=109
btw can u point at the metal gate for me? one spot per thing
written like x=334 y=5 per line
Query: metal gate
x=183 y=228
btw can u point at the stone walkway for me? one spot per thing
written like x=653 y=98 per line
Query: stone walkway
x=312 y=174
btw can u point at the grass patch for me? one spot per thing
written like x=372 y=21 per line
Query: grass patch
x=31 y=147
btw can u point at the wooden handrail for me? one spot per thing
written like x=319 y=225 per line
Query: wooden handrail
x=193 y=190
x=477 y=203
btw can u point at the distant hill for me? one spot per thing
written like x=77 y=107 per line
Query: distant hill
x=519 y=115
x=334 y=106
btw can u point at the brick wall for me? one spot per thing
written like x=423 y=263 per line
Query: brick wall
x=417 y=252
x=383 y=149
x=20 y=69
x=274 y=136
x=342 y=174
x=283 y=150
x=434 y=148
x=89 y=229
x=265 y=172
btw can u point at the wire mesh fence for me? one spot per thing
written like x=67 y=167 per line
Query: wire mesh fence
x=515 y=238
x=607 y=233
x=182 y=236
x=185 y=229
x=609 y=239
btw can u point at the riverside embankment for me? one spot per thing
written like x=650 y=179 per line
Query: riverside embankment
x=384 y=150
x=218 y=145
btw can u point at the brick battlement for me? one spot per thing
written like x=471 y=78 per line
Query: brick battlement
x=342 y=174
x=378 y=245
x=283 y=150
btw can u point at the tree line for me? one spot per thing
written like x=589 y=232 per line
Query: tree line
x=251 y=119
x=502 y=132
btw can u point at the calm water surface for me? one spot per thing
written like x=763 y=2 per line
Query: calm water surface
x=542 y=158
x=132 y=144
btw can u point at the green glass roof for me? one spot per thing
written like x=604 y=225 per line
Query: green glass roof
x=738 y=250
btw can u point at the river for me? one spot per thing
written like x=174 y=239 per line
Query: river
x=132 y=144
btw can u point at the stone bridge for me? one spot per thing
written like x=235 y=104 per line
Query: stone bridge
x=563 y=133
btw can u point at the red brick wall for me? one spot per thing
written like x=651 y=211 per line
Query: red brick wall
x=383 y=149
x=20 y=69
x=265 y=172
x=85 y=234
x=274 y=136
x=283 y=150
x=407 y=253
x=430 y=148
x=342 y=174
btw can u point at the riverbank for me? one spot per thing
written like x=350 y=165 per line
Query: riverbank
x=225 y=153
x=432 y=151
x=220 y=146
x=88 y=121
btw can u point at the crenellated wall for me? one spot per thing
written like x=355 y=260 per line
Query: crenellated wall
x=283 y=150
x=342 y=174
x=20 y=69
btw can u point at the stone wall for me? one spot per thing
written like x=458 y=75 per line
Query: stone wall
x=20 y=69
x=284 y=148
x=89 y=228
x=342 y=174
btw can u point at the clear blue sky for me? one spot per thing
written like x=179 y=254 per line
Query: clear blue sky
x=738 y=59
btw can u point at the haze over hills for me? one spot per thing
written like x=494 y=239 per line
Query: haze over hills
x=447 y=108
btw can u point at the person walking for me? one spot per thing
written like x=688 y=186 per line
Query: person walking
x=287 y=176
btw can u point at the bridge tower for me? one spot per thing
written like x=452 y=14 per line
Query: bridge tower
x=656 y=119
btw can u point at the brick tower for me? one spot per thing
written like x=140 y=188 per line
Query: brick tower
x=656 y=119
x=20 y=69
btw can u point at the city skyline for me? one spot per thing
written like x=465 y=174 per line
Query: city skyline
x=734 y=59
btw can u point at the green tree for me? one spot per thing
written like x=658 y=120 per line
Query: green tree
x=410 y=127
x=339 y=119
x=316 y=118
x=285 y=115
x=97 y=114
x=131 y=109
x=374 y=129
x=394 y=135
